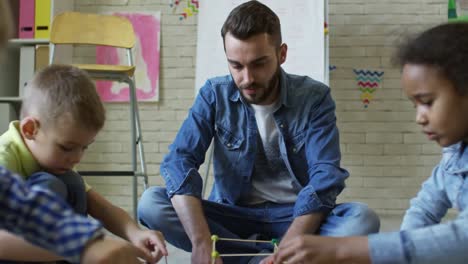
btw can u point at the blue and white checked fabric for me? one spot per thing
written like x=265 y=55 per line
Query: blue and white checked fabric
x=43 y=218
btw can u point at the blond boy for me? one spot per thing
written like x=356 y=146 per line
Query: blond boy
x=61 y=115
x=84 y=245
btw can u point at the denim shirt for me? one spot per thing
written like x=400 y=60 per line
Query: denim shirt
x=309 y=143
x=423 y=239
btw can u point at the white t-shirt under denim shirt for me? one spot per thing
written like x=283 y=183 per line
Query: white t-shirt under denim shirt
x=271 y=180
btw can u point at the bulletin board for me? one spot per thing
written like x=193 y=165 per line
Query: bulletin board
x=147 y=27
x=302 y=26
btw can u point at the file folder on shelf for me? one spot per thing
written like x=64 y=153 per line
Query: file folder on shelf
x=42 y=19
x=42 y=57
x=26 y=19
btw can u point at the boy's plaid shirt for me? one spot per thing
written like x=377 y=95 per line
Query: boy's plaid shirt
x=44 y=219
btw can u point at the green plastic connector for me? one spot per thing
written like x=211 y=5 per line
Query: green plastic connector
x=215 y=254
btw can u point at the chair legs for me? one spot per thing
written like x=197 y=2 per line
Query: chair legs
x=137 y=142
x=136 y=138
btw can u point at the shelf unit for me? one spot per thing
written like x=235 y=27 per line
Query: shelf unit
x=10 y=88
x=21 y=42
x=13 y=71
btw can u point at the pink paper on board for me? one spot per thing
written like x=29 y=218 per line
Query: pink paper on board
x=146 y=57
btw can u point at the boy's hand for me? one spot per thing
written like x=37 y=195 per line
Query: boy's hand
x=106 y=250
x=151 y=242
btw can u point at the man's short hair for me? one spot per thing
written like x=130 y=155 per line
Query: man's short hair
x=252 y=18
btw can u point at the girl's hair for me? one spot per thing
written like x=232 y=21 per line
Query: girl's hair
x=444 y=47
x=252 y=18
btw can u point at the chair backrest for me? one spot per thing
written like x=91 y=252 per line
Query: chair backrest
x=92 y=29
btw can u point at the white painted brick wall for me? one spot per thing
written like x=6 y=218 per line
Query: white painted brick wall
x=388 y=166
x=383 y=149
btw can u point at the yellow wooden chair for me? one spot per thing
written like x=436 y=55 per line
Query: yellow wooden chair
x=73 y=28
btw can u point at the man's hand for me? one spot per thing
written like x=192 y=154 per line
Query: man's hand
x=201 y=253
x=191 y=215
x=115 y=251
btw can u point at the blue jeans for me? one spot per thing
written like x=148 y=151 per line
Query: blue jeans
x=263 y=222
x=70 y=186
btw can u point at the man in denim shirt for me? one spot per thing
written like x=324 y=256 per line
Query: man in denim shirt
x=276 y=154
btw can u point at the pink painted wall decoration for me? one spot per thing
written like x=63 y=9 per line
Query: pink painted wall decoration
x=147 y=28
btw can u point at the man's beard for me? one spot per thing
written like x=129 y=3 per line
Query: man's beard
x=271 y=87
